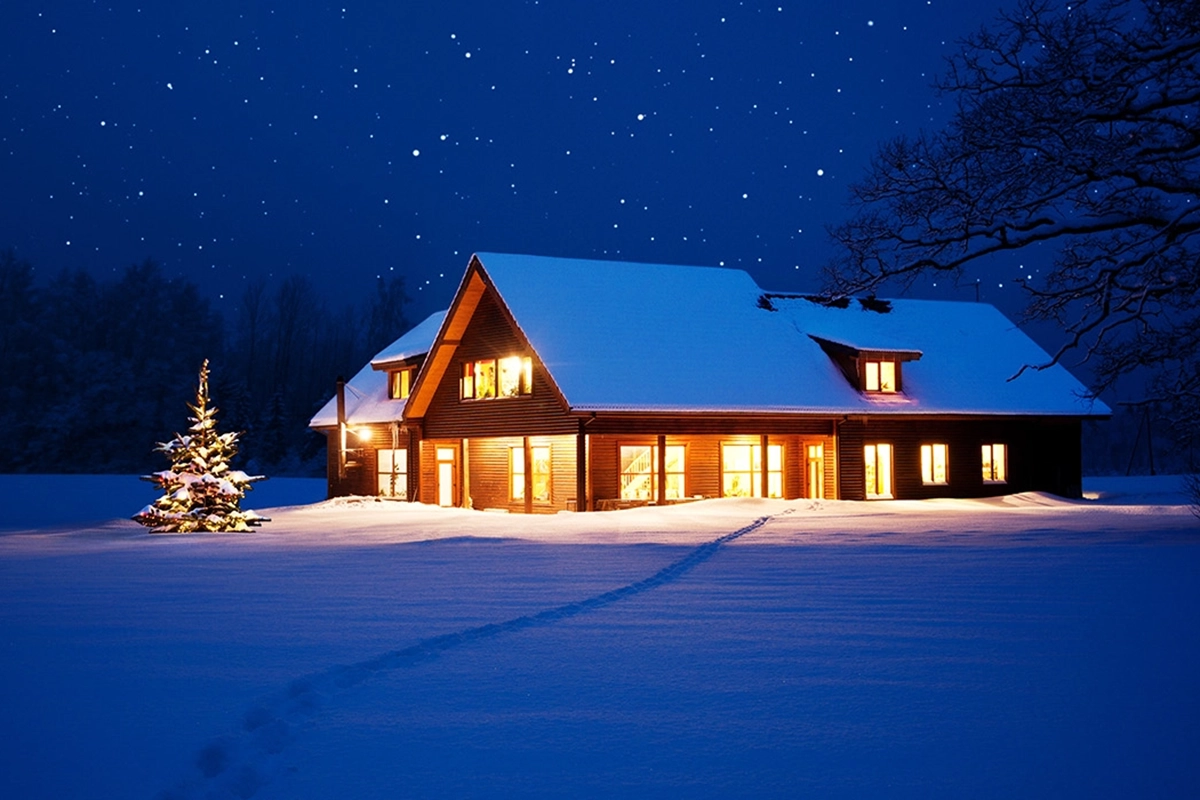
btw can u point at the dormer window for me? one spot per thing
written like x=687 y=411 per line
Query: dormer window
x=400 y=383
x=491 y=378
x=869 y=369
x=880 y=376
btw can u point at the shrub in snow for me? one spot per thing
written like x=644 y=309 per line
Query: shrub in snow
x=200 y=491
x=1191 y=486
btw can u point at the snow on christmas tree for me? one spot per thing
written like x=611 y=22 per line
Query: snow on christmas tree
x=200 y=491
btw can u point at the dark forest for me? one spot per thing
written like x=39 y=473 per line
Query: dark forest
x=94 y=372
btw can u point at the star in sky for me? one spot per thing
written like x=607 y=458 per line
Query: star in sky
x=232 y=140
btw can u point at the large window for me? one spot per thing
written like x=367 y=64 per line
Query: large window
x=879 y=376
x=878 y=461
x=741 y=470
x=399 y=384
x=995 y=463
x=392 y=468
x=639 y=472
x=540 y=456
x=934 y=470
x=497 y=377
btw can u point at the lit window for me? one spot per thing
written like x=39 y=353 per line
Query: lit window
x=879 y=376
x=509 y=377
x=995 y=463
x=392 y=468
x=491 y=378
x=399 y=384
x=816 y=471
x=639 y=472
x=485 y=379
x=741 y=470
x=878 y=461
x=933 y=464
x=541 y=473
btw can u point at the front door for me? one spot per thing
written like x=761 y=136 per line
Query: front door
x=816 y=471
x=446 y=475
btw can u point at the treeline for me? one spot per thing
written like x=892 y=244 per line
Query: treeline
x=93 y=372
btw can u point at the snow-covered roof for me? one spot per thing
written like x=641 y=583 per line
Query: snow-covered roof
x=655 y=337
x=366 y=392
x=414 y=343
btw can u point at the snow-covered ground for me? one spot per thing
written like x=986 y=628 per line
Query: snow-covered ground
x=1017 y=647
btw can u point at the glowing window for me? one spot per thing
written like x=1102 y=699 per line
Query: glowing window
x=995 y=463
x=392 y=469
x=741 y=470
x=816 y=471
x=540 y=456
x=878 y=466
x=933 y=464
x=399 y=384
x=639 y=472
x=490 y=378
x=879 y=376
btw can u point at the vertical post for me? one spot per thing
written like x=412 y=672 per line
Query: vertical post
x=414 y=465
x=528 y=475
x=661 y=498
x=764 y=466
x=464 y=474
x=581 y=492
x=341 y=422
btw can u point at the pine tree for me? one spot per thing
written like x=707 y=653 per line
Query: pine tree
x=200 y=491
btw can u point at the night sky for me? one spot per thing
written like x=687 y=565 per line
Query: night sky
x=230 y=140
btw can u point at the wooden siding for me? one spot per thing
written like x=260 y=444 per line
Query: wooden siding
x=707 y=423
x=702 y=462
x=488 y=467
x=360 y=469
x=1043 y=455
x=490 y=335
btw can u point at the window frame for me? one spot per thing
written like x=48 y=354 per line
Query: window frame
x=480 y=379
x=516 y=458
x=676 y=488
x=873 y=373
x=400 y=383
x=755 y=470
x=401 y=473
x=929 y=464
x=873 y=465
x=988 y=461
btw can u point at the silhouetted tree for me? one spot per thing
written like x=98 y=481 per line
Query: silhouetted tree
x=387 y=312
x=1078 y=126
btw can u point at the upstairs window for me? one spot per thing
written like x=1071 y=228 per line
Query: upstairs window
x=995 y=463
x=934 y=471
x=400 y=384
x=491 y=378
x=879 y=376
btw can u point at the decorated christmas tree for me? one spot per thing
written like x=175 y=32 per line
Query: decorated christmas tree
x=200 y=491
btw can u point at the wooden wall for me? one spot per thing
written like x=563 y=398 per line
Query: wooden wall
x=490 y=335
x=1043 y=455
x=702 y=461
x=360 y=472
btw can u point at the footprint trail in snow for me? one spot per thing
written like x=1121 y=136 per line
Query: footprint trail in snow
x=237 y=765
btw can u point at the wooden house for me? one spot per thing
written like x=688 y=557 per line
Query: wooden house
x=561 y=384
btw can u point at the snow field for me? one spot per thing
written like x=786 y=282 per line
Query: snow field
x=1017 y=647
